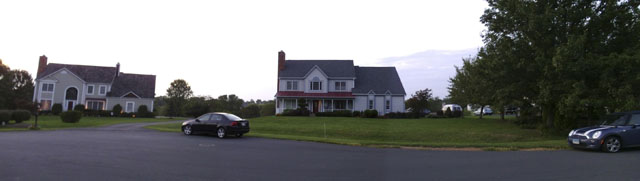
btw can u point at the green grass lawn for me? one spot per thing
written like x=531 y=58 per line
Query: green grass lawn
x=488 y=133
x=54 y=122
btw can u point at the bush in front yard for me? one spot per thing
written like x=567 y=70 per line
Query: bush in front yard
x=117 y=110
x=457 y=114
x=371 y=113
x=20 y=115
x=340 y=113
x=79 y=107
x=448 y=113
x=71 y=116
x=357 y=113
x=143 y=112
x=295 y=112
x=56 y=109
x=251 y=111
x=5 y=116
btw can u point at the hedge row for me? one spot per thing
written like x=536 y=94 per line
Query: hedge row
x=17 y=115
x=143 y=111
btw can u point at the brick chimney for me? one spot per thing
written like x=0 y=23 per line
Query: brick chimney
x=281 y=57
x=118 y=69
x=42 y=64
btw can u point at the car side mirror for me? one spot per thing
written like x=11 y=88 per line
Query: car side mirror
x=197 y=120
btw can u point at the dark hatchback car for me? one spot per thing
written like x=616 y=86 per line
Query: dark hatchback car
x=222 y=124
x=618 y=130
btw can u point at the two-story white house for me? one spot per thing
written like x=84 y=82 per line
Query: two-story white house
x=98 y=88
x=328 y=85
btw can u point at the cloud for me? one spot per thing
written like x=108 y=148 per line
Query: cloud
x=428 y=69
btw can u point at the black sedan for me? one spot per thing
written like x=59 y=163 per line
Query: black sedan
x=223 y=124
x=619 y=130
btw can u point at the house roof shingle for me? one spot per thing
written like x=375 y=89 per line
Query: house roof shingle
x=141 y=85
x=333 y=68
x=94 y=74
x=378 y=79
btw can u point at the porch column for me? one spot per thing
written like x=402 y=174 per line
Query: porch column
x=296 y=104
x=333 y=106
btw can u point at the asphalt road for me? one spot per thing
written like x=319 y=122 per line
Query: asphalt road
x=129 y=152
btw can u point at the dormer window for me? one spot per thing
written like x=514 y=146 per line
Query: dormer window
x=315 y=84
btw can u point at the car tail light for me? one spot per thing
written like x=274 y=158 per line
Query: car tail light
x=234 y=123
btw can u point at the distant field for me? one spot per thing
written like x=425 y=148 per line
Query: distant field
x=488 y=133
x=54 y=122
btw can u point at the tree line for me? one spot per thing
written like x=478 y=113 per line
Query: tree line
x=180 y=101
x=16 y=89
x=564 y=63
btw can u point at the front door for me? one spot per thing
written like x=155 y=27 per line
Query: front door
x=70 y=105
x=316 y=105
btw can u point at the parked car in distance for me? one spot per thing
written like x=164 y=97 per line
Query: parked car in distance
x=618 y=130
x=222 y=124
x=487 y=111
x=453 y=107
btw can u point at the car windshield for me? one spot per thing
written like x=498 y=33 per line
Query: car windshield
x=615 y=120
x=233 y=117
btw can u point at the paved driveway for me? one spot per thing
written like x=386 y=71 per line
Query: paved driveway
x=129 y=152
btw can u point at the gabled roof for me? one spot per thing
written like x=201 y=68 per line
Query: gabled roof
x=141 y=85
x=377 y=79
x=333 y=68
x=94 y=74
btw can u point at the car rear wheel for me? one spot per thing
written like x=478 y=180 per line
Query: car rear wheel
x=187 y=130
x=221 y=132
x=611 y=144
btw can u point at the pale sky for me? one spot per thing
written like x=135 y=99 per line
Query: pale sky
x=230 y=47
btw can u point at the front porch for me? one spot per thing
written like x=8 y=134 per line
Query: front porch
x=315 y=105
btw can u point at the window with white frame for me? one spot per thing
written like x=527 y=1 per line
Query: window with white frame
x=130 y=107
x=103 y=90
x=341 y=85
x=388 y=104
x=370 y=104
x=45 y=105
x=95 y=105
x=47 y=87
x=292 y=85
x=316 y=85
x=290 y=104
x=90 y=89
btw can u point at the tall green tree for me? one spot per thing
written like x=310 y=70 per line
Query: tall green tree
x=5 y=86
x=570 y=59
x=178 y=93
x=419 y=101
x=21 y=90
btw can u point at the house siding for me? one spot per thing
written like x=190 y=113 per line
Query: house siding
x=360 y=103
x=379 y=104
x=62 y=82
x=397 y=104
x=112 y=101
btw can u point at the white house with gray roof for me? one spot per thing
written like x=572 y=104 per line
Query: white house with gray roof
x=329 y=85
x=98 y=88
